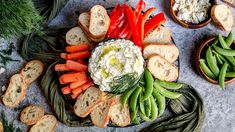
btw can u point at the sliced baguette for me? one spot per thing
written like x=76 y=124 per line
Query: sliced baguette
x=16 y=91
x=230 y=2
x=88 y=101
x=222 y=16
x=162 y=69
x=32 y=70
x=158 y=35
x=1 y=127
x=99 y=21
x=101 y=114
x=31 y=114
x=76 y=36
x=168 y=51
x=46 y=124
x=119 y=115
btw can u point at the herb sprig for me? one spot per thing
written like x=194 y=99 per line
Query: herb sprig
x=8 y=127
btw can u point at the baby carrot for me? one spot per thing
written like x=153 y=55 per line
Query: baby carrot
x=73 y=65
x=63 y=56
x=82 y=87
x=74 y=85
x=79 y=55
x=72 y=77
x=66 y=90
x=61 y=67
x=78 y=48
x=74 y=96
x=82 y=61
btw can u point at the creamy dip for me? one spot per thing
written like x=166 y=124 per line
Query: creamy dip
x=114 y=58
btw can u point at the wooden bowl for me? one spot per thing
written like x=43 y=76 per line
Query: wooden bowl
x=200 y=53
x=191 y=25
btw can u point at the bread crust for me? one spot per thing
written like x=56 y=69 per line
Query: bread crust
x=75 y=35
x=229 y=3
x=39 y=116
x=45 y=116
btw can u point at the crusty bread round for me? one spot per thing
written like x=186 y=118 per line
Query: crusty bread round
x=76 y=36
x=31 y=114
x=46 y=124
x=223 y=17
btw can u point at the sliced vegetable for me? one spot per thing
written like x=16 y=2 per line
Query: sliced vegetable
x=82 y=61
x=73 y=65
x=63 y=56
x=79 y=55
x=66 y=90
x=79 y=83
x=211 y=60
x=206 y=69
x=78 y=48
x=74 y=96
x=61 y=67
x=82 y=87
x=114 y=11
x=154 y=22
x=139 y=8
x=149 y=84
x=72 y=77
x=222 y=75
x=140 y=26
x=148 y=13
x=125 y=32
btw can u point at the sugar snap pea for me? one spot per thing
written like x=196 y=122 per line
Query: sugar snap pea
x=229 y=39
x=225 y=52
x=126 y=96
x=142 y=116
x=134 y=98
x=219 y=60
x=211 y=60
x=166 y=93
x=222 y=42
x=147 y=107
x=134 y=116
x=170 y=85
x=206 y=69
x=154 y=108
x=230 y=74
x=149 y=84
x=141 y=104
x=222 y=75
x=215 y=42
x=161 y=101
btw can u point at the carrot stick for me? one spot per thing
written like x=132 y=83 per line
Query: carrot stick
x=66 y=90
x=77 y=84
x=73 y=65
x=79 y=55
x=74 y=96
x=72 y=77
x=78 y=48
x=82 y=61
x=82 y=87
x=61 y=67
x=64 y=56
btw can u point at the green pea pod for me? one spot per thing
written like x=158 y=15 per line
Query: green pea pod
x=222 y=75
x=149 y=84
x=206 y=69
x=134 y=117
x=231 y=60
x=142 y=116
x=225 y=59
x=211 y=61
x=215 y=42
x=134 y=98
x=230 y=74
x=126 y=96
x=225 y=52
x=170 y=85
x=141 y=104
x=219 y=60
x=229 y=39
x=222 y=42
x=166 y=93
x=154 y=108
x=161 y=101
x=147 y=104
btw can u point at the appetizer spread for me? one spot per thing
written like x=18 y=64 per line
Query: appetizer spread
x=192 y=11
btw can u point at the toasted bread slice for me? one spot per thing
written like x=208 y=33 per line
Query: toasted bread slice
x=99 y=21
x=160 y=35
x=32 y=70
x=31 y=114
x=162 y=69
x=222 y=16
x=46 y=124
x=76 y=36
x=1 y=127
x=88 y=101
x=101 y=114
x=15 y=92
x=168 y=51
x=120 y=115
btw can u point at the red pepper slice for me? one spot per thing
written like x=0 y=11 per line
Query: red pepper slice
x=140 y=26
x=139 y=8
x=119 y=28
x=116 y=8
x=132 y=23
x=115 y=20
x=154 y=22
x=148 y=13
x=125 y=33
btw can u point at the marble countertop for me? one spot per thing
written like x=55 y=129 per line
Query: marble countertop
x=219 y=105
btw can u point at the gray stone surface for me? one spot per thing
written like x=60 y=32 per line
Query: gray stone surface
x=219 y=105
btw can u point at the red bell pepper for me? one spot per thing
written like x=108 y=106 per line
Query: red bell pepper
x=125 y=33
x=139 y=8
x=116 y=8
x=154 y=22
x=148 y=13
x=140 y=27
x=119 y=28
x=132 y=23
x=115 y=20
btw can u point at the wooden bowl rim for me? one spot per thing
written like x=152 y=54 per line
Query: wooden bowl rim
x=190 y=26
x=198 y=56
